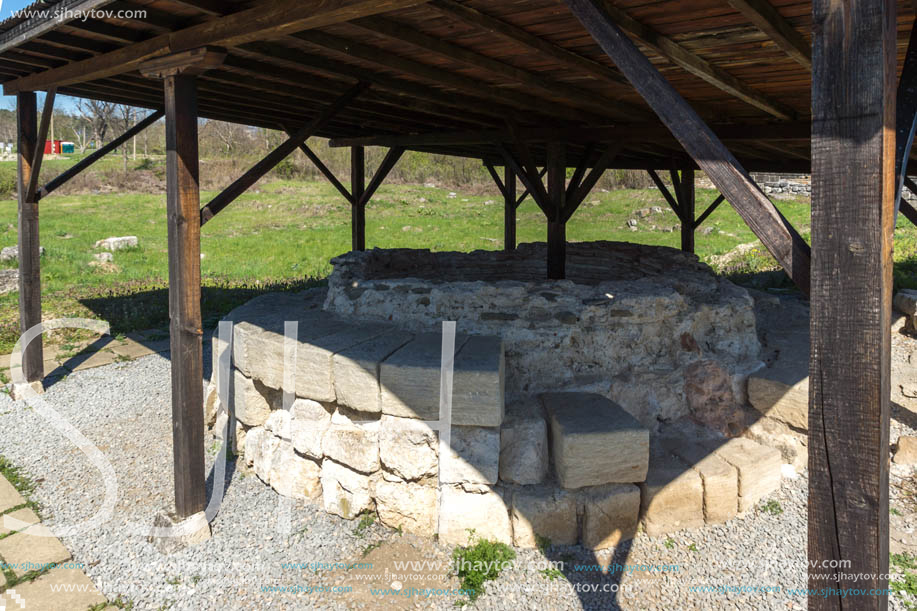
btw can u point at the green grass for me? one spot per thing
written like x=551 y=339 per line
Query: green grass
x=904 y=563
x=281 y=236
x=480 y=561
x=772 y=507
x=367 y=519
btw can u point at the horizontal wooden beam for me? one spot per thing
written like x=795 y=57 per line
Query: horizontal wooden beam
x=777 y=28
x=61 y=179
x=277 y=18
x=696 y=65
x=243 y=183
x=644 y=132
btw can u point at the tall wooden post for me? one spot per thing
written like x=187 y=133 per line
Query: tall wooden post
x=184 y=208
x=853 y=190
x=687 y=201
x=357 y=189
x=29 y=245
x=557 y=225
x=509 y=209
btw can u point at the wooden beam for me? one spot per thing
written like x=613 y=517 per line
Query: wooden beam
x=853 y=190
x=46 y=116
x=723 y=169
x=193 y=61
x=906 y=115
x=325 y=170
x=490 y=24
x=534 y=82
x=905 y=206
x=582 y=190
x=777 y=28
x=713 y=206
x=666 y=194
x=29 y=245
x=183 y=205
x=388 y=163
x=557 y=225
x=277 y=18
x=244 y=182
x=509 y=209
x=526 y=192
x=18 y=35
x=639 y=132
x=580 y=171
x=84 y=163
x=357 y=190
x=694 y=64
x=687 y=204
x=529 y=177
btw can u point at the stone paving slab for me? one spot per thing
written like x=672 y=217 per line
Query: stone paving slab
x=27 y=551
x=594 y=441
x=479 y=382
x=44 y=592
x=410 y=378
x=131 y=349
x=24 y=515
x=82 y=362
x=356 y=371
x=9 y=496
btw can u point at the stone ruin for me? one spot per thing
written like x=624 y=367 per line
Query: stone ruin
x=581 y=408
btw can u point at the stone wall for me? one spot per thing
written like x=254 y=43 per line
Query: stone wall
x=651 y=328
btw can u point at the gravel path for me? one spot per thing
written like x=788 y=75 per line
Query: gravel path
x=124 y=408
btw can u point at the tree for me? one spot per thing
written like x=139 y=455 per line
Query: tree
x=99 y=115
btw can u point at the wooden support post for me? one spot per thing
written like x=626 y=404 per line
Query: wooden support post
x=184 y=219
x=29 y=246
x=557 y=198
x=906 y=115
x=357 y=189
x=687 y=201
x=853 y=191
x=699 y=141
x=509 y=209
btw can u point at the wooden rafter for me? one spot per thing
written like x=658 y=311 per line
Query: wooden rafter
x=696 y=65
x=699 y=141
x=777 y=28
x=278 y=18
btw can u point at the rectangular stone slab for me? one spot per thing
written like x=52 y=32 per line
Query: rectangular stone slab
x=594 y=441
x=410 y=380
x=356 y=370
x=314 y=358
x=672 y=497
x=759 y=468
x=720 y=479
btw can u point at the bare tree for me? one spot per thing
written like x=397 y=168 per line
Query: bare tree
x=99 y=116
x=126 y=118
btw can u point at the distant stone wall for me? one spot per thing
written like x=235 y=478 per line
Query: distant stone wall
x=651 y=328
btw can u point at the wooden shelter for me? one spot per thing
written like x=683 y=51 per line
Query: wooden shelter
x=533 y=87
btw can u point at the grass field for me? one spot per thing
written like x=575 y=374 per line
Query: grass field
x=282 y=235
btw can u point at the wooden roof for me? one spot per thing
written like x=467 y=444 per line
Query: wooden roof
x=454 y=71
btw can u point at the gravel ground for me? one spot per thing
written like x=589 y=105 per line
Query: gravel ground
x=124 y=409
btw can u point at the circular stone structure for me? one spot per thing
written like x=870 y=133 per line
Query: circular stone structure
x=649 y=327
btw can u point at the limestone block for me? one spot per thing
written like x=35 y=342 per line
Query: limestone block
x=356 y=371
x=672 y=497
x=524 y=445
x=906 y=452
x=474 y=456
x=308 y=423
x=610 y=514
x=34 y=546
x=410 y=380
x=759 y=469
x=113 y=244
x=345 y=492
x=411 y=507
x=906 y=302
x=211 y=404
x=260 y=445
x=249 y=403
x=485 y=512
x=781 y=392
x=720 y=479
x=544 y=511
x=408 y=448
x=354 y=443
x=594 y=441
x=314 y=358
x=47 y=592
x=279 y=423
x=294 y=476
